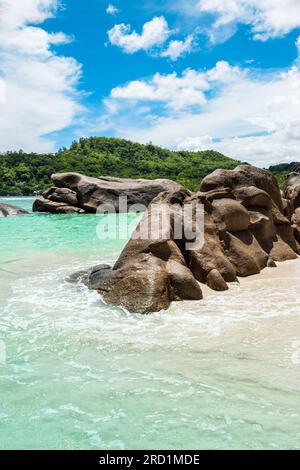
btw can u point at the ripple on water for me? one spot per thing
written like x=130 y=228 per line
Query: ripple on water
x=220 y=373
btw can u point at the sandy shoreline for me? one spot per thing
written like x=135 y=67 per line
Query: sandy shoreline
x=284 y=270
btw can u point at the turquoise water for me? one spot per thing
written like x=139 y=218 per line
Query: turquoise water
x=78 y=374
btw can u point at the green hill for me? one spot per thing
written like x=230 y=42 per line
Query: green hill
x=24 y=173
x=282 y=170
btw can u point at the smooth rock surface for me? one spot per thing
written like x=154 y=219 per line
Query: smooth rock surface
x=292 y=190
x=45 y=205
x=292 y=196
x=89 y=193
x=244 y=231
x=244 y=176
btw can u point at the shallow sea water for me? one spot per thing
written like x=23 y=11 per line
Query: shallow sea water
x=75 y=373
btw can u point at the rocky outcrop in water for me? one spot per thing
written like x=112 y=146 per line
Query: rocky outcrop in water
x=54 y=207
x=74 y=192
x=8 y=210
x=245 y=230
x=91 y=277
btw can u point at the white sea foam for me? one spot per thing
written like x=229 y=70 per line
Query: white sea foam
x=218 y=373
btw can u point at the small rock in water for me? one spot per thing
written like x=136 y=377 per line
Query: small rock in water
x=91 y=277
x=8 y=210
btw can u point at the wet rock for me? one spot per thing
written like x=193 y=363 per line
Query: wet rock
x=98 y=275
x=91 y=277
x=45 y=205
x=64 y=195
x=8 y=210
x=142 y=288
x=215 y=281
x=151 y=271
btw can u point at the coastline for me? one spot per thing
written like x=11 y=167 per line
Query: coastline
x=284 y=270
x=222 y=372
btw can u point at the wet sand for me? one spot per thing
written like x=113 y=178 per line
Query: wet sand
x=284 y=271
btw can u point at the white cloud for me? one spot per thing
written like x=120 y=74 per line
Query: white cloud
x=267 y=18
x=252 y=116
x=112 y=10
x=177 y=48
x=31 y=40
x=2 y=91
x=154 y=33
x=152 y=39
x=40 y=86
x=195 y=144
x=177 y=92
x=16 y=13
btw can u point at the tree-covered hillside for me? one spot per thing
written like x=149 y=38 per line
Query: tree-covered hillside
x=282 y=170
x=24 y=173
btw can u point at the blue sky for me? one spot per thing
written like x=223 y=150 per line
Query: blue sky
x=186 y=75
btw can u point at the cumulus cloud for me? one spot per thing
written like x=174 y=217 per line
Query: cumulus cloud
x=178 y=48
x=16 y=14
x=153 y=39
x=2 y=91
x=39 y=86
x=154 y=33
x=252 y=116
x=112 y=10
x=267 y=18
x=194 y=144
x=177 y=92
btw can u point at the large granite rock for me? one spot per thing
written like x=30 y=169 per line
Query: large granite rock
x=244 y=176
x=62 y=195
x=244 y=231
x=296 y=224
x=292 y=190
x=292 y=196
x=152 y=270
x=46 y=205
x=87 y=193
x=8 y=210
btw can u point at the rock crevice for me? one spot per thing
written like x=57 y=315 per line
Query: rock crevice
x=246 y=228
x=292 y=200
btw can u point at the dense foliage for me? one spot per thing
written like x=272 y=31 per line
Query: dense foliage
x=281 y=171
x=24 y=173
